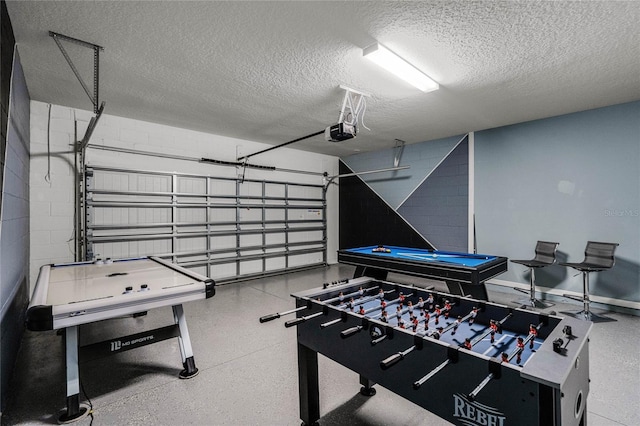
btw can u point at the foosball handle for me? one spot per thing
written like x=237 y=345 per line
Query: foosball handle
x=350 y=331
x=390 y=361
x=269 y=317
x=294 y=321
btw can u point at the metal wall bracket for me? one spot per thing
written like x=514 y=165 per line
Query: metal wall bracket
x=397 y=152
x=96 y=65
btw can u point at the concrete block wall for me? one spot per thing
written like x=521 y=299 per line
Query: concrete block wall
x=52 y=175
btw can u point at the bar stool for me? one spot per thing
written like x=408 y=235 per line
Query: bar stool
x=597 y=257
x=545 y=256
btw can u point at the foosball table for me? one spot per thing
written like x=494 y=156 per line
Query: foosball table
x=470 y=362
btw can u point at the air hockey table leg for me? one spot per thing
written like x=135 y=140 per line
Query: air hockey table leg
x=308 y=385
x=74 y=411
x=186 y=351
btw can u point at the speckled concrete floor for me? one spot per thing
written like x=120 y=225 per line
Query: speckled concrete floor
x=248 y=371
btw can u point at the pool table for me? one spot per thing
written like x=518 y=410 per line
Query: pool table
x=464 y=273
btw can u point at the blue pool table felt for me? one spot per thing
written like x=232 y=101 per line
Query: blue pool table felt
x=427 y=256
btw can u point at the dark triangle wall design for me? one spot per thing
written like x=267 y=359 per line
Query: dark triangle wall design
x=365 y=219
x=439 y=207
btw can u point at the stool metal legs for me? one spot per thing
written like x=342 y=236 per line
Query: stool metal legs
x=586 y=313
x=532 y=301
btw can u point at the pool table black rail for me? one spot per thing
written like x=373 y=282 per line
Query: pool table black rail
x=435 y=270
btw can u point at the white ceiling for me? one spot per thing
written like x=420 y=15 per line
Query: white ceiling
x=270 y=71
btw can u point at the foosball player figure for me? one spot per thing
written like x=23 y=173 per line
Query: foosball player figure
x=436 y=312
x=401 y=298
x=420 y=305
x=446 y=309
x=384 y=316
x=456 y=324
x=504 y=357
x=493 y=325
x=398 y=312
x=426 y=320
x=361 y=292
x=341 y=297
x=351 y=304
x=430 y=302
x=467 y=343
x=361 y=311
x=534 y=332
x=410 y=307
x=400 y=323
x=383 y=303
x=474 y=314
x=436 y=334
x=415 y=323
x=520 y=346
x=381 y=294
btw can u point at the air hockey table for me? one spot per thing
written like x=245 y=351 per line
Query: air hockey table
x=464 y=273
x=531 y=370
x=68 y=295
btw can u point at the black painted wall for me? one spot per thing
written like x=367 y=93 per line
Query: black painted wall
x=7 y=43
x=14 y=227
x=365 y=219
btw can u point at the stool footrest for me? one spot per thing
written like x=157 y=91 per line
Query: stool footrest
x=571 y=296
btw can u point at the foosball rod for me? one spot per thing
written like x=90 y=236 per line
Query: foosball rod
x=353 y=330
x=399 y=356
x=472 y=395
x=300 y=320
x=488 y=331
x=421 y=381
x=360 y=302
x=366 y=299
x=343 y=318
x=355 y=293
x=391 y=303
x=271 y=317
x=383 y=337
x=526 y=340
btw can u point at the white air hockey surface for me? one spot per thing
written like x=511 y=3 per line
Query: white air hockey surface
x=79 y=293
x=78 y=283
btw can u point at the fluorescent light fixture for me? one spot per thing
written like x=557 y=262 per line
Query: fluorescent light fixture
x=398 y=66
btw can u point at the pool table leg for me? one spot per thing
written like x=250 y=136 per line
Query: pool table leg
x=368 y=271
x=186 y=351
x=476 y=291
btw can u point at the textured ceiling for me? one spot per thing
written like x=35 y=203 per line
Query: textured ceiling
x=270 y=71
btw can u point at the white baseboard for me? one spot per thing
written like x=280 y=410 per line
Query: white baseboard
x=560 y=292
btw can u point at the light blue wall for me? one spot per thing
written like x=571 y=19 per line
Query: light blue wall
x=569 y=179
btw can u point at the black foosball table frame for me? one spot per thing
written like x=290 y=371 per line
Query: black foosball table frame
x=459 y=385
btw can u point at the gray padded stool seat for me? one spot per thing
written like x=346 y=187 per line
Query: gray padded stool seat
x=545 y=256
x=597 y=257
